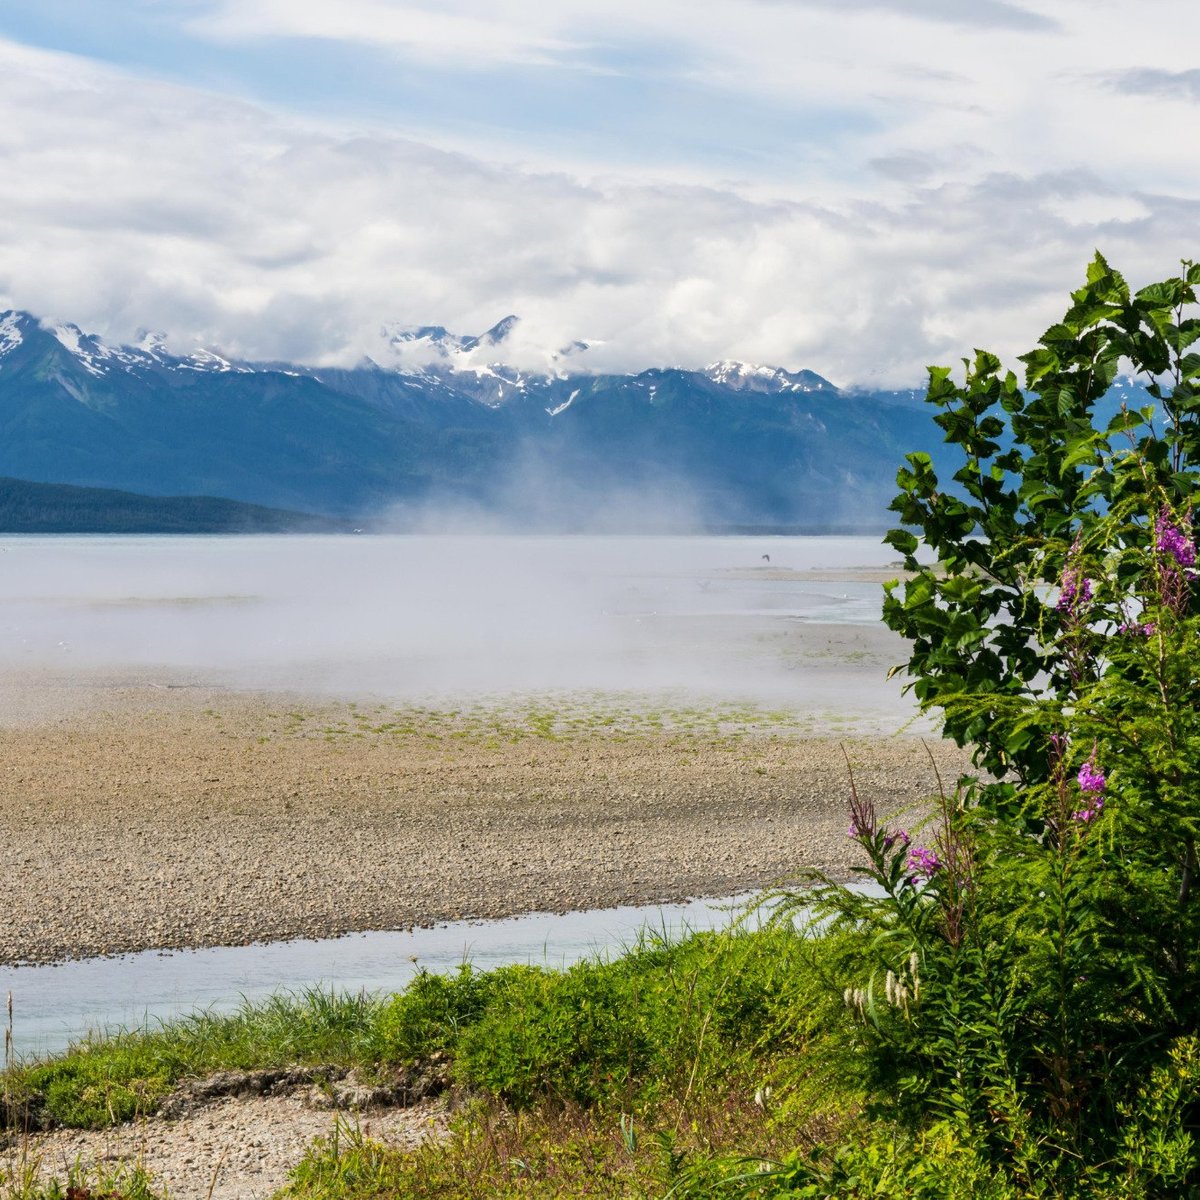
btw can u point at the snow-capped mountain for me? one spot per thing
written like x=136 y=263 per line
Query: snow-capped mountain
x=416 y=352
x=437 y=417
x=482 y=364
x=98 y=358
x=434 y=343
x=751 y=377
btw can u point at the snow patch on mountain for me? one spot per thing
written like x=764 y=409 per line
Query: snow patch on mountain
x=564 y=405
x=91 y=353
x=207 y=360
x=86 y=349
x=751 y=377
x=10 y=331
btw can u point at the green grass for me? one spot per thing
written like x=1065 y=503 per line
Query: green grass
x=548 y=1152
x=554 y=717
x=22 y=1179
x=110 y=1079
x=627 y=1078
x=612 y=1074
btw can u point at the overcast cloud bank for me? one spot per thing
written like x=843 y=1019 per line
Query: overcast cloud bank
x=860 y=189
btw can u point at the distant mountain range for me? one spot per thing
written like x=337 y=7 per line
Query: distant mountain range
x=437 y=428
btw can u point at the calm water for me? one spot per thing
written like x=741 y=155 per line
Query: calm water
x=420 y=615
x=54 y=1005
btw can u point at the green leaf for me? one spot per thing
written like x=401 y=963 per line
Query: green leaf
x=1125 y=419
x=902 y=541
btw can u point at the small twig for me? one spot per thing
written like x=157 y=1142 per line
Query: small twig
x=9 y=1060
x=212 y=1185
x=936 y=773
x=849 y=771
x=862 y=813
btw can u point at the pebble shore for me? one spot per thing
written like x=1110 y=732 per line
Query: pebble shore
x=177 y=818
x=241 y=1148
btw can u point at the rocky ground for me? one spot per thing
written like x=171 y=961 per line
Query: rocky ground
x=177 y=817
x=238 y=1148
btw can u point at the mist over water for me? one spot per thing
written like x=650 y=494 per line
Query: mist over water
x=453 y=616
x=786 y=622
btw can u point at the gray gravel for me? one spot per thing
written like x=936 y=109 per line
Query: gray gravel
x=180 y=818
x=236 y=1149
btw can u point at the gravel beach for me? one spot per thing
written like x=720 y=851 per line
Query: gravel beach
x=241 y=1148
x=140 y=817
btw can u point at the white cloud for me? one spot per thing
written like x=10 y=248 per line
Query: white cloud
x=994 y=155
x=1029 y=83
x=458 y=33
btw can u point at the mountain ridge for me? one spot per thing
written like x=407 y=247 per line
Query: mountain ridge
x=731 y=444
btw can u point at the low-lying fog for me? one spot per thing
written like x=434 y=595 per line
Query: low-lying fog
x=420 y=616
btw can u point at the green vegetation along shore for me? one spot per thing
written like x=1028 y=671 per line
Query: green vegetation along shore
x=27 y=507
x=657 y=1070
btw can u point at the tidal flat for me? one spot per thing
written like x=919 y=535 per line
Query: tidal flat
x=188 y=817
x=386 y=733
x=220 y=756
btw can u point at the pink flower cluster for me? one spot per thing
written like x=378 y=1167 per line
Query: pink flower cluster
x=1172 y=541
x=1091 y=778
x=1142 y=628
x=897 y=837
x=1075 y=592
x=923 y=863
x=1091 y=783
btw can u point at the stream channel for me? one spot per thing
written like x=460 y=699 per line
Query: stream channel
x=60 y=1003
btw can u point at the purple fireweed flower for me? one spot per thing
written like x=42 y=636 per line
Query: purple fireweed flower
x=1091 y=778
x=892 y=839
x=1172 y=541
x=923 y=862
x=1142 y=628
x=1074 y=593
x=1084 y=815
x=1058 y=749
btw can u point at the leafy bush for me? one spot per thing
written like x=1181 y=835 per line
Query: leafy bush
x=1035 y=963
x=659 y=1017
x=431 y=1013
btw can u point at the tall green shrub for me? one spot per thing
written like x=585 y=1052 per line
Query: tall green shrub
x=1041 y=467
x=1029 y=993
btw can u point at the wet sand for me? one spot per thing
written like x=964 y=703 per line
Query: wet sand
x=144 y=814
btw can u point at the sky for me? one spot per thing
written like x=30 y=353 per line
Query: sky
x=856 y=187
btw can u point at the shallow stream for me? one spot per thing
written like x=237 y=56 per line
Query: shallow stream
x=57 y=1004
